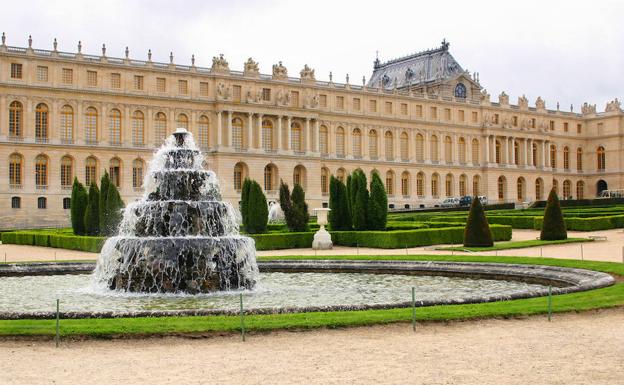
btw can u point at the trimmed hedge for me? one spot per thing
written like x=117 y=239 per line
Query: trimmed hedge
x=587 y=224
x=70 y=242
x=279 y=241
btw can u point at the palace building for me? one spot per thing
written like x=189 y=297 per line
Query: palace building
x=425 y=124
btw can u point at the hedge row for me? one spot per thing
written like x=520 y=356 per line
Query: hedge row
x=588 y=224
x=70 y=242
x=277 y=241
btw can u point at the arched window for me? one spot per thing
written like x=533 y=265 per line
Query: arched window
x=340 y=142
x=202 y=129
x=16 y=202
x=555 y=186
x=463 y=180
x=420 y=184
x=267 y=135
x=579 y=159
x=567 y=189
x=66 y=203
x=42 y=203
x=420 y=148
x=462 y=150
x=160 y=128
x=16 y=112
x=41 y=123
x=114 y=127
x=460 y=91
x=404 y=147
x=520 y=189
x=390 y=182
x=502 y=188
x=324 y=181
x=90 y=171
x=299 y=176
x=16 y=170
x=137 y=173
x=91 y=126
x=516 y=152
x=114 y=171
x=237 y=134
x=553 y=156
x=340 y=174
x=448 y=150
x=373 y=144
x=138 y=128
x=295 y=137
x=183 y=121
x=67 y=172
x=539 y=189
x=448 y=184
x=389 y=141
x=405 y=184
x=600 y=154
x=270 y=175
x=476 y=185
x=323 y=136
x=476 y=159
x=534 y=154
x=434 y=149
x=67 y=124
x=498 y=152
x=435 y=185
x=580 y=189
x=41 y=171
x=566 y=158
x=240 y=173
x=357 y=142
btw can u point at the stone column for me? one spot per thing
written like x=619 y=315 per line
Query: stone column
x=486 y=151
x=219 y=130
x=250 y=143
x=126 y=128
x=229 y=129
x=288 y=133
x=79 y=124
x=513 y=151
x=258 y=143
x=426 y=148
x=544 y=154
x=317 y=137
x=397 y=147
x=506 y=160
x=279 y=143
x=308 y=136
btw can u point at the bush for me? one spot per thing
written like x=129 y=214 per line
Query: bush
x=78 y=201
x=245 y=201
x=49 y=239
x=283 y=241
x=113 y=210
x=300 y=213
x=339 y=218
x=477 y=232
x=377 y=215
x=553 y=226
x=92 y=213
x=259 y=216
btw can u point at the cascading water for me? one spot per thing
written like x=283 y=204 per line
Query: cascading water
x=180 y=236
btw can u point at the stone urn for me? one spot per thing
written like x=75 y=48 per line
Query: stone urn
x=322 y=239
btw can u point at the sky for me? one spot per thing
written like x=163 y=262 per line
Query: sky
x=564 y=51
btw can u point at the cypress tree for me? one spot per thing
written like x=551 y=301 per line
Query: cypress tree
x=79 y=201
x=553 y=225
x=92 y=213
x=286 y=204
x=259 y=215
x=103 y=216
x=245 y=201
x=377 y=204
x=301 y=217
x=114 y=204
x=339 y=217
x=350 y=197
x=477 y=231
x=360 y=203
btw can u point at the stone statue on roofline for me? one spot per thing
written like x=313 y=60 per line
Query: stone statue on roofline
x=251 y=68
x=279 y=71
x=485 y=96
x=540 y=104
x=219 y=64
x=307 y=73
x=503 y=99
x=587 y=108
x=614 y=105
x=523 y=102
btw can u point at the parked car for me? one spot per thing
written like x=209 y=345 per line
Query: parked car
x=466 y=200
x=450 y=202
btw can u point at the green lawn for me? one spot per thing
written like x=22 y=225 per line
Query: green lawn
x=601 y=298
x=516 y=245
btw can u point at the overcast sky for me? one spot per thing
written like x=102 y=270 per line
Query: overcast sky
x=566 y=51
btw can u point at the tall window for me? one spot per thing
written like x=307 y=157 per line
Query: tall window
x=462 y=150
x=567 y=189
x=390 y=182
x=476 y=182
x=299 y=176
x=389 y=141
x=91 y=126
x=404 y=147
x=15 y=119
x=520 y=189
x=580 y=189
x=91 y=78
x=160 y=128
x=475 y=152
x=357 y=143
x=41 y=171
x=137 y=174
x=448 y=185
x=340 y=142
x=115 y=79
x=405 y=182
x=138 y=129
x=202 y=129
x=183 y=121
x=566 y=158
x=462 y=185
x=67 y=172
x=516 y=150
x=238 y=176
x=67 y=76
x=268 y=177
x=435 y=185
x=67 y=124
x=267 y=135
x=498 y=152
x=502 y=188
x=16 y=202
x=237 y=134
x=114 y=171
x=42 y=202
x=90 y=171
x=601 y=161
x=448 y=150
x=372 y=144
x=16 y=71
x=420 y=184
x=324 y=181
x=183 y=87
x=539 y=189
x=534 y=154
x=42 y=73
x=138 y=82
x=323 y=135
x=434 y=149
x=16 y=171
x=295 y=137
x=114 y=127
x=41 y=123
x=579 y=159
x=420 y=148
x=555 y=186
x=553 y=156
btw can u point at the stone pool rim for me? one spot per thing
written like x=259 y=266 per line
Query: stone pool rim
x=563 y=280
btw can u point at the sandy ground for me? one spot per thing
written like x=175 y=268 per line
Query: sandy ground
x=610 y=250
x=583 y=348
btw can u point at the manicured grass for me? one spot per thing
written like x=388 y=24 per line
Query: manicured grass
x=516 y=245
x=601 y=298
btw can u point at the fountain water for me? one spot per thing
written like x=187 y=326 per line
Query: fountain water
x=180 y=236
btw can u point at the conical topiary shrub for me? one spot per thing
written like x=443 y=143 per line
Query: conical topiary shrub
x=477 y=232
x=553 y=225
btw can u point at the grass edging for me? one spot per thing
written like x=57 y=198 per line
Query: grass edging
x=516 y=245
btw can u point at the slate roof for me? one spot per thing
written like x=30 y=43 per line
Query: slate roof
x=429 y=66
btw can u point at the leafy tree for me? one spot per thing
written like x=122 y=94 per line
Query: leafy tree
x=360 y=202
x=339 y=217
x=257 y=217
x=301 y=216
x=79 y=201
x=477 y=232
x=113 y=210
x=92 y=213
x=245 y=201
x=553 y=225
x=377 y=204
x=103 y=215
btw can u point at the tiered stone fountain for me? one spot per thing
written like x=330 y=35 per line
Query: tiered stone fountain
x=180 y=237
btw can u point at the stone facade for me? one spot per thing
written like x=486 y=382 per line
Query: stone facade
x=71 y=114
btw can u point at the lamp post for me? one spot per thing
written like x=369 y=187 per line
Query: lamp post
x=322 y=239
